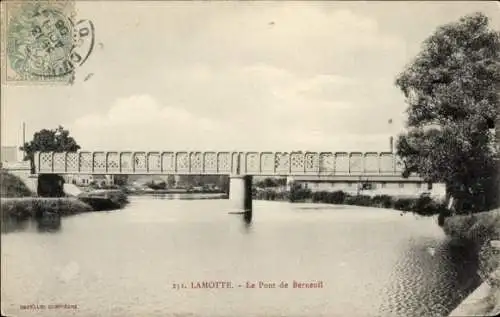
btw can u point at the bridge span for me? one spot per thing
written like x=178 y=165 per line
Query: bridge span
x=240 y=166
x=294 y=163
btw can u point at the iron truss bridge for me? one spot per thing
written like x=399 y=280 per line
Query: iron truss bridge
x=295 y=163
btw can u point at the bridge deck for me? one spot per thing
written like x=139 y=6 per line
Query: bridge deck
x=219 y=163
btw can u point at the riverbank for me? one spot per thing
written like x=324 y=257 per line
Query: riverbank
x=475 y=228
x=484 y=301
x=23 y=208
x=17 y=212
x=13 y=186
x=104 y=199
x=423 y=205
x=18 y=203
x=479 y=231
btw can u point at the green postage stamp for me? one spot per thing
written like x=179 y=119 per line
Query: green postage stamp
x=42 y=43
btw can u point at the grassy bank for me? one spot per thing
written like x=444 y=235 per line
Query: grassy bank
x=477 y=231
x=18 y=203
x=17 y=213
x=105 y=199
x=423 y=205
x=13 y=186
x=476 y=228
x=24 y=208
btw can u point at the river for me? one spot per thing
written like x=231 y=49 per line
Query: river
x=371 y=262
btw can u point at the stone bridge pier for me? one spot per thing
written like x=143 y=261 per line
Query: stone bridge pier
x=240 y=187
x=240 y=193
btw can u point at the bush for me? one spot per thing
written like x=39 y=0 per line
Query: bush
x=404 y=204
x=424 y=205
x=297 y=193
x=319 y=197
x=336 y=197
x=489 y=261
x=358 y=200
x=382 y=201
x=476 y=228
x=269 y=194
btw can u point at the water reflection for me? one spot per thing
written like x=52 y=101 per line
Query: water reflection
x=49 y=225
x=247 y=219
x=48 y=221
x=430 y=279
x=45 y=225
x=13 y=225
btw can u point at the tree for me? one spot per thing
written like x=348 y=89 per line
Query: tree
x=451 y=89
x=57 y=140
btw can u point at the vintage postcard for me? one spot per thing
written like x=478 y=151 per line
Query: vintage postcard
x=249 y=158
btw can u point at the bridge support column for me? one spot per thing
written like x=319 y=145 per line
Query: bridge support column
x=50 y=185
x=240 y=193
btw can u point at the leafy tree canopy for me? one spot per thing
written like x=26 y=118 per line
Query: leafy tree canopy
x=57 y=140
x=451 y=89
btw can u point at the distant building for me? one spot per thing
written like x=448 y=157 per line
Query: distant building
x=89 y=179
x=79 y=180
x=391 y=186
x=9 y=154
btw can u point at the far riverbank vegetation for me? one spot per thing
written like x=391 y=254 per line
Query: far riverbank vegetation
x=423 y=205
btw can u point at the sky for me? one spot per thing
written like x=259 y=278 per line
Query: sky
x=259 y=76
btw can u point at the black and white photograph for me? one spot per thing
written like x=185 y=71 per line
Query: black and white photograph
x=250 y=158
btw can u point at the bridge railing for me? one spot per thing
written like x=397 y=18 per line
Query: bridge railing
x=213 y=163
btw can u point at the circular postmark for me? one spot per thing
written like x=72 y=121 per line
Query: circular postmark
x=42 y=41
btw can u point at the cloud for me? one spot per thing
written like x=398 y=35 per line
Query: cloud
x=140 y=122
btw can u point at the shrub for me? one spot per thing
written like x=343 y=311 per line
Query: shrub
x=489 y=261
x=269 y=194
x=358 y=200
x=319 y=197
x=424 y=205
x=404 y=204
x=297 y=193
x=382 y=201
x=337 y=197
x=474 y=227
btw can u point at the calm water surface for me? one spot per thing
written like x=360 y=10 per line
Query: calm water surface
x=372 y=262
